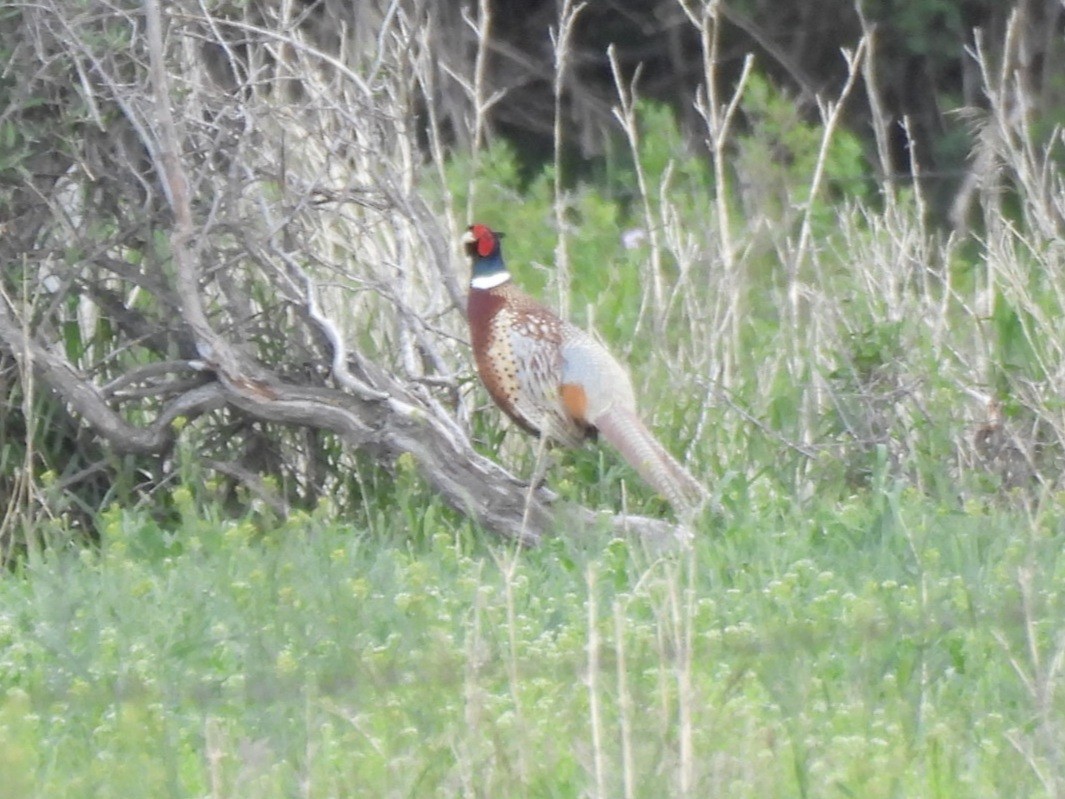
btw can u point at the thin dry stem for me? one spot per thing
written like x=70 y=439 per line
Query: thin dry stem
x=625 y=704
x=561 y=41
x=481 y=101
x=595 y=711
x=508 y=566
x=625 y=113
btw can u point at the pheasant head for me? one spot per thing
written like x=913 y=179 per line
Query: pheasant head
x=483 y=246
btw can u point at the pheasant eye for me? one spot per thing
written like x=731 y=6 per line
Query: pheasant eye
x=485 y=244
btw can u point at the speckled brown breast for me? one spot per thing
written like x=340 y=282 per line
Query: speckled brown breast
x=517 y=347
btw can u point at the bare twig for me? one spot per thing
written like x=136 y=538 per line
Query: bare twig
x=625 y=113
x=561 y=40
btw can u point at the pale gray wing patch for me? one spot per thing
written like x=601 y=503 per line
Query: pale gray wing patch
x=587 y=363
x=535 y=346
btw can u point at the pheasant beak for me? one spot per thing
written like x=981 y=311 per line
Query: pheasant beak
x=468 y=238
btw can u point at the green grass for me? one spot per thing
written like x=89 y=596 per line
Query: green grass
x=877 y=647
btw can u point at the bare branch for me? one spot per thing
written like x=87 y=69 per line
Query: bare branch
x=57 y=373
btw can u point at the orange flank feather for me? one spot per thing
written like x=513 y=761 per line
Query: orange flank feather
x=575 y=400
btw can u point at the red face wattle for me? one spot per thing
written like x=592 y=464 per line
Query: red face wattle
x=480 y=240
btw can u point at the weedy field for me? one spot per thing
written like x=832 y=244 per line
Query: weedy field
x=882 y=645
x=873 y=607
x=875 y=610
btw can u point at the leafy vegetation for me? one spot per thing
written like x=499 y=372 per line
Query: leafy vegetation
x=874 y=607
x=882 y=646
x=877 y=637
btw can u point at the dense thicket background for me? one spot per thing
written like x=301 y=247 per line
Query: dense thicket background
x=924 y=67
x=341 y=120
x=260 y=521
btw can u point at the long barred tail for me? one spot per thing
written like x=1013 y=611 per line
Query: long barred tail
x=624 y=430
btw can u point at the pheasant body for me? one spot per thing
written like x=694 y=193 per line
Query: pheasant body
x=554 y=379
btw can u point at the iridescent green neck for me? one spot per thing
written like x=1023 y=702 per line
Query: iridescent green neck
x=489 y=271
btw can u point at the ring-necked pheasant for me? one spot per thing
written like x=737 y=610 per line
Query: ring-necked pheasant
x=554 y=379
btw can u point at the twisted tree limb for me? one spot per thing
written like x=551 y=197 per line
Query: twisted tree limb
x=397 y=423
x=87 y=401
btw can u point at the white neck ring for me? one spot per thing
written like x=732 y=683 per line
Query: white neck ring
x=489 y=281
